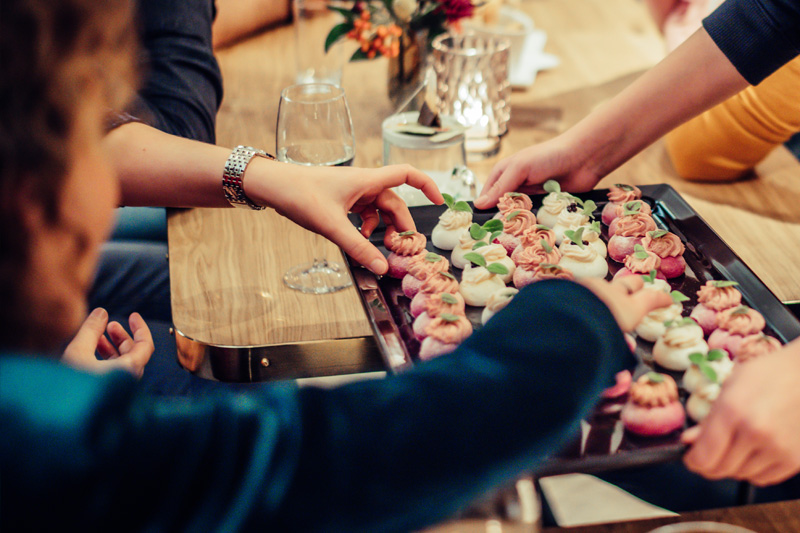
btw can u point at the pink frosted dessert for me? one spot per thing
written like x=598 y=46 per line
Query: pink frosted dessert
x=653 y=408
x=669 y=248
x=533 y=236
x=734 y=325
x=618 y=194
x=550 y=271
x=435 y=306
x=420 y=268
x=631 y=229
x=529 y=260
x=640 y=263
x=622 y=386
x=436 y=283
x=754 y=346
x=514 y=201
x=445 y=333
x=636 y=207
x=514 y=224
x=713 y=297
x=403 y=246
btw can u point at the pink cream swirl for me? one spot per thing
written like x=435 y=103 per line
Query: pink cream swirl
x=532 y=256
x=407 y=243
x=644 y=208
x=421 y=268
x=649 y=393
x=435 y=305
x=552 y=272
x=513 y=201
x=635 y=225
x=756 y=346
x=718 y=298
x=449 y=332
x=439 y=282
x=668 y=245
x=521 y=221
x=643 y=266
x=741 y=320
x=625 y=193
x=534 y=235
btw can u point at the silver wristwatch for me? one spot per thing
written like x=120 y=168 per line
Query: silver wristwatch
x=232 y=176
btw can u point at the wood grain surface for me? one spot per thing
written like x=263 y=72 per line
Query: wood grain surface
x=226 y=265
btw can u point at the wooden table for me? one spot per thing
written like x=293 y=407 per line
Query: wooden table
x=781 y=517
x=226 y=265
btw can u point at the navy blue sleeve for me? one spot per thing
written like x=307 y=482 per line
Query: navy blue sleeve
x=182 y=85
x=388 y=455
x=757 y=36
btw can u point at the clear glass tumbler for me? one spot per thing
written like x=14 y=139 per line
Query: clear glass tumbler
x=472 y=85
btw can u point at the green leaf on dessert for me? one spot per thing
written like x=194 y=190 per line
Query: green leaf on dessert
x=595 y=227
x=624 y=187
x=741 y=310
x=657 y=234
x=551 y=186
x=447 y=275
x=542 y=226
x=649 y=278
x=493 y=224
x=655 y=377
x=575 y=199
x=494 y=236
x=589 y=207
x=686 y=321
x=678 y=297
x=640 y=252
x=449 y=317
x=477 y=259
x=448 y=200
x=720 y=284
x=513 y=194
x=407 y=233
x=709 y=372
x=546 y=246
x=716 y=355
x=549 y=266
x=431 y=257
x=512 y=215
x=461 y=205
x=477 y=232
x=479 y=244
x=631 y=208
x=497 y=268
x=449 y=298
x=697 y=358
x=576 y=236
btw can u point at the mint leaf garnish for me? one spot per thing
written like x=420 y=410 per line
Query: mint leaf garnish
x=477 y=259
x=497 y=268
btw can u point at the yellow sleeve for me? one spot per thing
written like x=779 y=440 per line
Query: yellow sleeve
x=728 y=140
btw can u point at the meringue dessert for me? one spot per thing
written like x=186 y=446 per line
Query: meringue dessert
x=635 y=207
x=452 y=223
x=653 y=408
x=713 y=367
x=640 y=262
x=572 y=218
x=581 y=259
x=734 y=325
x=444 y=334
x=435 y=306
x=497 y=301
x=436 y=283
x=618 y=194
x=681 y=339
x=555 y=203
x=466 y=241
x=700 y=401
x=496 y=254
x=420 y=268
x=513 y=201
x=529 y=260
x=533 y=236
x=713 y=297
x=403 y=246
x=631 y=229
x=755 y=346
x=653 y=325
x=478 y=283
x=669 y=248
x=514 y=224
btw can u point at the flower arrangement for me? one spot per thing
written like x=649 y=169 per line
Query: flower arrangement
x=378 y=25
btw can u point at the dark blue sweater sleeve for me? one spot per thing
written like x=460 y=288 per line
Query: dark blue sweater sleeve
x=388 y=455
x=757 y=36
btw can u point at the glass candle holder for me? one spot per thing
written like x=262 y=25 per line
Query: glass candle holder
x=443 y=161
x=472 y=86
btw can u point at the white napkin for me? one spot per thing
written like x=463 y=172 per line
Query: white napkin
x=531 y=60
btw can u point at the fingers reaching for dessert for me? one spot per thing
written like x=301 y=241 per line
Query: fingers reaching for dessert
x=751 y=431
x=625 y=300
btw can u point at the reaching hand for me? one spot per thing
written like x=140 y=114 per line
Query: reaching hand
x=529 y=168
x=319 y=198
x=625 y=299
x=753 y=431
x=121 y=352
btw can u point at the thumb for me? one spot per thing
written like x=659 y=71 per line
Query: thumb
x=89 y=334
x=356 y=246
x=691 y=435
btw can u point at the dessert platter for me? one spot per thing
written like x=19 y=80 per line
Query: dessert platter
x=462 y=266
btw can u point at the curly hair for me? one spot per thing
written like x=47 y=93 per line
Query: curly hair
x=50 y=50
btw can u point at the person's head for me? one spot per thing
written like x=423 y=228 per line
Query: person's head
x=63 y=64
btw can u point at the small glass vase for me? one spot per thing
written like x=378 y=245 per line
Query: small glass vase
x=407 y=70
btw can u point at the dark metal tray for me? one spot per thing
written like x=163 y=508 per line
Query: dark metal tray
x=602 y=444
